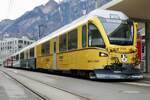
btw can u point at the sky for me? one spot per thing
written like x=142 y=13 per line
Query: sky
x=12 y=9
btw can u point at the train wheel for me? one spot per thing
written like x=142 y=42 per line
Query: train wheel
x=92 y=75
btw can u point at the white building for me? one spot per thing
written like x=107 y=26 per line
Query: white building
x=9 y=46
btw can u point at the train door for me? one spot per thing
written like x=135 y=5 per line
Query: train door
x=54 y=55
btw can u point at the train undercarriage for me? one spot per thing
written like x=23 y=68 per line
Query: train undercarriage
x=117 y=71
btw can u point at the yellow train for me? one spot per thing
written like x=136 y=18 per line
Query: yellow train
x=100 y=45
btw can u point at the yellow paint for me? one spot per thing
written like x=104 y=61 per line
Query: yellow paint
x=79 y=37
x=135 y=33
x=38 y=50
x=44 y=62
x=51 y=46
x=86 y=58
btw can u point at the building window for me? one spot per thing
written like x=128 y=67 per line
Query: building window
x=95 y=38
x=25 y=42
x=45 y=48
x=63 y=43
x=84 y=34
x=72 y=40
x=20 y=41
x=19 y=46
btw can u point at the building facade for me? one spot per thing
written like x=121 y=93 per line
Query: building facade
x=9 y=46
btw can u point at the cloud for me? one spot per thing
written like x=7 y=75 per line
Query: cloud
x=15 y=8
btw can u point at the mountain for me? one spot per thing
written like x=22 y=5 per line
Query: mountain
x=4 y=25
x=44 y=19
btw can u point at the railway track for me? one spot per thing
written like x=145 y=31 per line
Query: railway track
x=40 y=95
x=26 y=87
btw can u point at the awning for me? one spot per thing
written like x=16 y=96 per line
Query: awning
x=137 y=9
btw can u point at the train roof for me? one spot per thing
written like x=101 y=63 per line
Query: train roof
x=82 y=20
x=74 y=24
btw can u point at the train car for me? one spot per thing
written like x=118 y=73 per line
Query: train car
x=8 y=62
x=100 y=45
x=25 y=58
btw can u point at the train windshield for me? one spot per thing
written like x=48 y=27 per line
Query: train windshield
x=119 y=32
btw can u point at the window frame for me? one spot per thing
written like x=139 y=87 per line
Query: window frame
x=84 y=26
x=76 y=39
x=104 y=46
x=65 y=43
x=22 y=55
x=17 y=57
x=26 y=54
x=32 y=52
x=45 y=48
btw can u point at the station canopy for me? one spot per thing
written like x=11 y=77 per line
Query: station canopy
x=137 y=9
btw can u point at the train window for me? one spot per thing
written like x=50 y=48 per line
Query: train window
x=22 y=55
x=31 y=52
x=26 y=55
x=17 y=57
x=45 y=48
x=54 y=47
x=84 y=31
x=94 y=36
x=13 y=57
x=62 y=43
x=72 y=40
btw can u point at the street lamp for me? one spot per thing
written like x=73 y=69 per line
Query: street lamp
x=84 y=11
x=96 y=4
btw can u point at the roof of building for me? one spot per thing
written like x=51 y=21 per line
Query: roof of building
x=137 y=9
x=14 y=38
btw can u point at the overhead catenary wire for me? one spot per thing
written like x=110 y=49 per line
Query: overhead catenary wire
x=8 y=11
x=10 y=6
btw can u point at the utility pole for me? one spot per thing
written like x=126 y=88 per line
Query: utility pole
x=96 y=4
x=84 y=11
x=40 y=33
x=69 y=13
x=60 y=13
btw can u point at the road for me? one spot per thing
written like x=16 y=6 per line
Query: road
x=67 y=88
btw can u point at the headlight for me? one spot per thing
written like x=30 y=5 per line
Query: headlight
x=103 y=54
